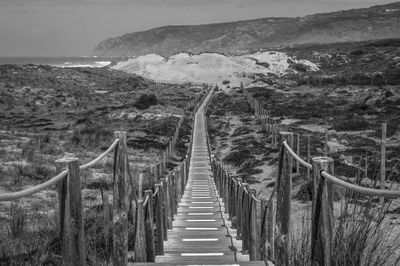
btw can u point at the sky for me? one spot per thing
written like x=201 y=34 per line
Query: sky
x=74 y=27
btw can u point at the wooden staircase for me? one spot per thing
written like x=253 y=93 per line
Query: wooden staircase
x=201 y=234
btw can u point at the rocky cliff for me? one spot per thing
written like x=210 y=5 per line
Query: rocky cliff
x=377 y=22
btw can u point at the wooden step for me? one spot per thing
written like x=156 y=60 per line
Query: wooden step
x=241 y=263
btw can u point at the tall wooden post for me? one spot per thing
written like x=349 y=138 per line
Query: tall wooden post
x=308 y=155
x=284 y=188
x=150 y=249
x=73 y=239
x=245 y=218
x=253 y=230
x=239 y=196
x=383 y=160
x=298 y=153
x=140 y=240
x=270 y=231
x=322 y=213
x=159 y=222
x=120 y=202
x=165 y=207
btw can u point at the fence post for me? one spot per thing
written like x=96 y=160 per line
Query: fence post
x=283 y=206
x=322 y=213
x=270 y=231
x=263 y=244
x=159 y=222
x=171 y=201
x=140 y=240
x=165 y=207
x=120 y=202
x=150 y=253
x=239 y=197
x=245 y=218
x=298 y=153
x=308 y=156
x=73 y=238
x=253 y=232
x=383 y=160
x=164 y=161
x=232 y=199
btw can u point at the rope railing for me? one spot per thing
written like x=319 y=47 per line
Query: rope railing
x=100 y=157
x=296 y=156
x=11 y=196
x=158 y=206
x=274 y=240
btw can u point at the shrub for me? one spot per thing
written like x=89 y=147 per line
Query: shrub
x=300 y=67
x=237 y=158
x=145 y=101
x=354 y=124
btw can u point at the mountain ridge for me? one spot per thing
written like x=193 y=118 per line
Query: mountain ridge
x=236 y=37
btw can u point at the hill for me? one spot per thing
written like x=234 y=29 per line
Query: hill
x=377 y=22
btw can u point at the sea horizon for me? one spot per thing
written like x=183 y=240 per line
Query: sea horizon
x=59 y=61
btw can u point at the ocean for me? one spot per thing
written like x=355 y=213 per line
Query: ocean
x=60 y=61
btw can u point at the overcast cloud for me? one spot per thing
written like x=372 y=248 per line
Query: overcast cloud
x=74 y=27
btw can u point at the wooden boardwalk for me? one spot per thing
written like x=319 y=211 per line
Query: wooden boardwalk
x=201 y=233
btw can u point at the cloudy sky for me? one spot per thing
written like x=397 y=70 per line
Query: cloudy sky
x=74 y=27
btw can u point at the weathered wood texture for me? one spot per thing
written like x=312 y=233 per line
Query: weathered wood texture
x=120 y=203
x=322 y=213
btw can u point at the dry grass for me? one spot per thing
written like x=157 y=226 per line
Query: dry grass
x=362 y=235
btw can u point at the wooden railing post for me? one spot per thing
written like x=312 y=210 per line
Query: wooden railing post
x=270 y=231
x=308 y=156
x=120 y=202
x=73 y=238
x=239 y=197
x=253 y=231
x=263 y=244
x=298 y=153
x=170 y=199
x=284 y=186
x=165 y=207
x=159 y=221
x=150 y=252
x=322 y=213
x=383 y=161
x=140 y=240
x=245 y=218
x=232 y=199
